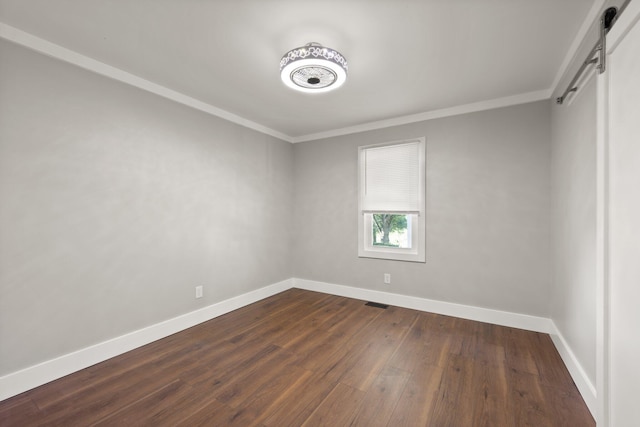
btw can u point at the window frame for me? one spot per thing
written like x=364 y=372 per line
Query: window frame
x=417 y=252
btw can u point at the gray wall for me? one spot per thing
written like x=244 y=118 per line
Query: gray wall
x=488 y=211
x=116 y=203
x=574 y=224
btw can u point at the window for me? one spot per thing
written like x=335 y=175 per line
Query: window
x=391 y=217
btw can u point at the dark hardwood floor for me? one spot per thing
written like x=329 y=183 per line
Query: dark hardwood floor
x=302 y=358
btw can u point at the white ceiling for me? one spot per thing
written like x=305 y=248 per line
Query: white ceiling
x=405 y=56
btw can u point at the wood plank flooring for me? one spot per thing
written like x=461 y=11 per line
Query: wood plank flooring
x=302 y=358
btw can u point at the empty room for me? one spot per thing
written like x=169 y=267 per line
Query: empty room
x=319 y=213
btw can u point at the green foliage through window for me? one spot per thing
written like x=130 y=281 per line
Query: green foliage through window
x=390 y=230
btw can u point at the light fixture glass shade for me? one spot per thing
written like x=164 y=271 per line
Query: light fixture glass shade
x=313 y=68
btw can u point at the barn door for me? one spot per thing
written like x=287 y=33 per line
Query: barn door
x=623 y=66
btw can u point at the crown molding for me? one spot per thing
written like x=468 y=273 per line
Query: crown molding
x=507 y=101
x=61 y=53
x=56 y=51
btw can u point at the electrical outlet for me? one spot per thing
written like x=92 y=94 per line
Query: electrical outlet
x=387 y=278
x=199 y=292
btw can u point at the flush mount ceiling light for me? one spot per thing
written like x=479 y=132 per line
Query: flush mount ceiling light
x=313 y=68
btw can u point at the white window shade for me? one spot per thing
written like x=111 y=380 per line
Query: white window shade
x=390 y=180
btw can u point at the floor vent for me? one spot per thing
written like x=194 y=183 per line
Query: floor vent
x=377 y=305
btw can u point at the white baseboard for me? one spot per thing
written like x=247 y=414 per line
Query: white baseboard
x=503 y=318
x=487 y=315
x=34 y=376
x=585 y=386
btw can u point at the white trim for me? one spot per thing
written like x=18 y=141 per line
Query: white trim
x=507 y=101
x=585 y=386
x=56 y=51
x=416 y=223
x=487 y=315
x=593 y=14
x=34 y=376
